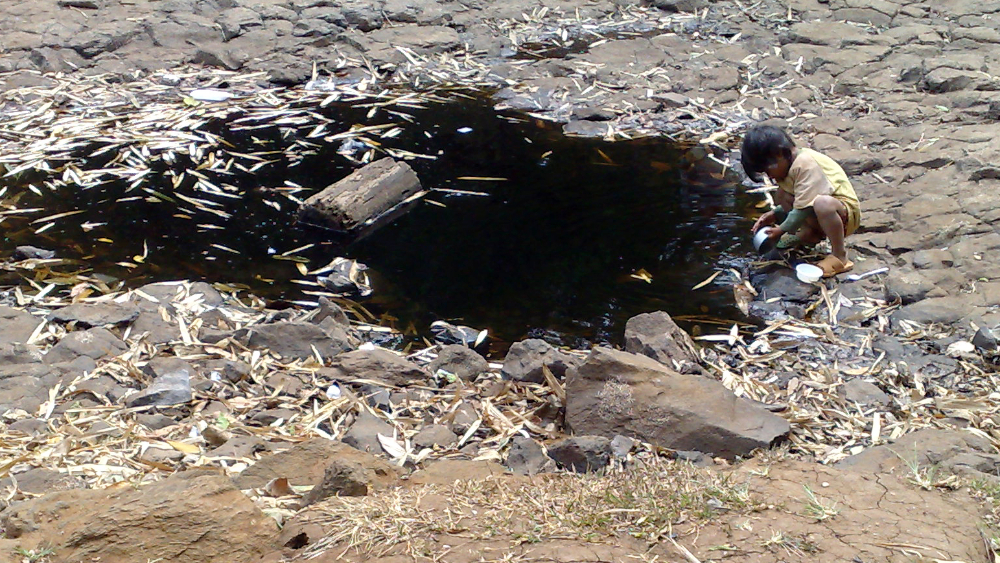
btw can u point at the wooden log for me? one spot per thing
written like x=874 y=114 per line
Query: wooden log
x=368 y=198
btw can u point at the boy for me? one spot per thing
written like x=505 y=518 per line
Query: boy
x=814 y=195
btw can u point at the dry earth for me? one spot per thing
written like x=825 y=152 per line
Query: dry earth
x=902 y=93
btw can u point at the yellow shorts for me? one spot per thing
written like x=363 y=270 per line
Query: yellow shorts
x=853 y=215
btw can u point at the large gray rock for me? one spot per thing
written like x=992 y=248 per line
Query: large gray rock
x=616 y=392
x=363 y=434
x=350 y=473
x=376 y=365
x=525 y=360
x=93 y=343
x=946 y=451
x=582 y=454
x=16 y=325
x=526 y=457
x=171 y=385
x=657 y=335
x=460 y=361
x=95 y=314
x=295 y=340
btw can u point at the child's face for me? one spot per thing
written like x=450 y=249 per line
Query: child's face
x=778 y=168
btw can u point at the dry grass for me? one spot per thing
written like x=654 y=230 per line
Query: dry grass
x=645 y=502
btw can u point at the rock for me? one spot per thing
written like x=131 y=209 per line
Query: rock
x=302 y=464
x=351 y=473
x=946 y=451
x=157 y=330
x=40 y=481
x=330 y=310
x=32 y=253
x=985 y=340
x=784 y=285
x=447 y=333
x=295 y=340
x=226 y=370
x=435 y=436
x=363 y=434
x=526 y=457
x=909 y=287
x=17 y=325
x=95 y=314
x=680 y=5
x=525 y=360
x=243 y=448
x=168 y=388
x=376 y=365
x=582 y=454
x=462 y=418
x=269 y=417
x=864 y=393
x=944 y=79
x=449 y=471
x=657 y=336
x=29 y=426
x=621 y=446
x=219 y=56
x=19 y=353
x=155 y=421
x=82 y=4
x=462 y=362
x=194 y=515
x=942 y=310
x=615 y=392
x=94 y=343
x=365 y=200
x=671 y=100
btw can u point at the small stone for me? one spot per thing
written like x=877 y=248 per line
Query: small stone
x=32 y=253
x=82 y=4
x=985 y=340
x=526 y=457
x=621 y=446
x=864 y=393
x=96 y=314
x=363 y=434
x=352 y=473
x=526 y=359
x=460 y=361
x=171 y=388
x=94 y=343
x=435 y=435
x=582 y=454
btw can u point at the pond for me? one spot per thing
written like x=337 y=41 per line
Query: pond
x=525 y=231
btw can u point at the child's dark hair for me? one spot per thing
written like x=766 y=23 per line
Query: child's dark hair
x=762 y=144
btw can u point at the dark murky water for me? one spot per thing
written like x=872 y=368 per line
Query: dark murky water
x=549 y=250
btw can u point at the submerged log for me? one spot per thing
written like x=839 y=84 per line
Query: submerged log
x=368 y=198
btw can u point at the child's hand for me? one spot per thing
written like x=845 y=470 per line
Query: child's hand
x=774 y=233
x=763 y=221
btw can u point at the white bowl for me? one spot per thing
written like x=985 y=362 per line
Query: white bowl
x=808 y=273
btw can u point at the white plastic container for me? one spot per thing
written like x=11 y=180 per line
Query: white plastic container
x=808 y=273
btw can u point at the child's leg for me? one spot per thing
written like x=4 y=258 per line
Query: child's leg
x=831 y=213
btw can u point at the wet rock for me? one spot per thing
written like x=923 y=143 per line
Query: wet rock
x=295 y=340
x=525 y=360
x=949 y=451
x=582 y=454
x=448 y=334
x=17 y=325
x=376 y=365
x=210 y=521
x=363 y=434
x=94 y=343
x=864 y=393
x=95 y=314
x=32 y=253
x=985 y=340
x=435 y=436
x=784 y=285
x=526 y=457
x=170 y=386
x=459 y=361
x=657 y=336
x=352 y=473
x=615 y=392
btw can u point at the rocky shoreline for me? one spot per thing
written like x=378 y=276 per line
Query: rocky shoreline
x=181 y=395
